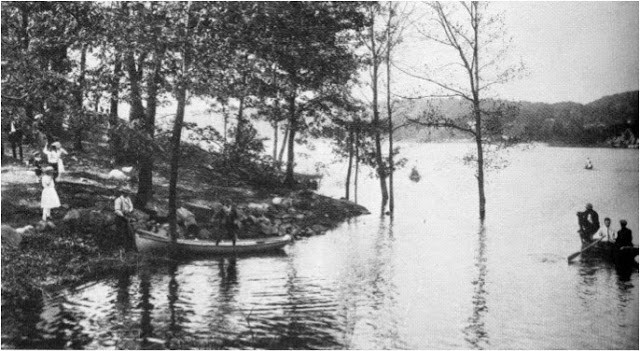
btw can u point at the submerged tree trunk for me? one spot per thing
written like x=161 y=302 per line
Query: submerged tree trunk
x=376 y=121
x=347 y=183
x=389 y=113
x=355 y=180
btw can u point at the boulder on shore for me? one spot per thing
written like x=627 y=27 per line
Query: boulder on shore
x=10 y=237
x=117 y=175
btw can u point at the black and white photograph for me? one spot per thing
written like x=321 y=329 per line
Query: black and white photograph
x=350 y=175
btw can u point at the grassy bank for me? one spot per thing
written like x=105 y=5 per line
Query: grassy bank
x=71 y=252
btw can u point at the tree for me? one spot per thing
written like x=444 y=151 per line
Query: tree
x=475 y=37
x=307 y=42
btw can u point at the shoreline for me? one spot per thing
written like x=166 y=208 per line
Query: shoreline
x=84 y=246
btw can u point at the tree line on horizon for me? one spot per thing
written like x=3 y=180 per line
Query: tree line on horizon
x=600 y=122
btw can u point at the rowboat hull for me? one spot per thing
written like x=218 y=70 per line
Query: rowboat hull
x=148 y=242
x=622 y=258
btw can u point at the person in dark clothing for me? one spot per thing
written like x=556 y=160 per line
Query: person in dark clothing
x=589 y=223
x=15 y=138
x=625 y=237
x=228 y=217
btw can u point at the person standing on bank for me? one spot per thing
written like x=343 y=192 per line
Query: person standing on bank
x=49 y=197
x=123 y=209
x=15 y=138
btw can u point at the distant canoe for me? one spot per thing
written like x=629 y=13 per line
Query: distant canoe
x=588 y=167
x=147 y=241
x=415 y=175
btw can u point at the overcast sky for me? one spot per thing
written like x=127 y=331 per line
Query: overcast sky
x=573 y=51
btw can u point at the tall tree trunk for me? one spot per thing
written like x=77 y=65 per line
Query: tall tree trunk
x=376 y=120
x=475 y=85
x=225 y=114
x=347 y=183
x=289 y=179
x=389 y=112
x=275 y=142
x=240 y=126
x=181 y=97
x=136 y=112
x=355 y=180
x=78 y=128
x=285 y=138
x=116 y=141
x=145 y=160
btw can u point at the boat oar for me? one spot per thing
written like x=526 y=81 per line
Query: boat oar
x=574 y=255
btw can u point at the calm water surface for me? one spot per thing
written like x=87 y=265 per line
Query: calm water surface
x=429 y=279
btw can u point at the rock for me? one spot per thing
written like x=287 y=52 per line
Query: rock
x=299 y=216
x=72 y=215
x=127 y=169
x=258 y=207
x=319 y=228
x=140 y=215
x=26 y=230
x=204 y=234
x=117 y=175
x=277 y=201
x=10 y=237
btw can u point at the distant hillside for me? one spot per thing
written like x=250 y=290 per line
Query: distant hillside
x=609 y=119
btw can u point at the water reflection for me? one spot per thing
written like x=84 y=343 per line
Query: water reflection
x=475 y=332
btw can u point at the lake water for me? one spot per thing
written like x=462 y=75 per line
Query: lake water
x=428 y=279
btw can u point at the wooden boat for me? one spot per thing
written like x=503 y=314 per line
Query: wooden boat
x=147 y=241
x=622 y=258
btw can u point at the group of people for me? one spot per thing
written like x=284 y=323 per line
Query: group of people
x=590 y=229
x=227 y=217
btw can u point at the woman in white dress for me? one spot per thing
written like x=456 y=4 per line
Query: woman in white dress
x=50 y=197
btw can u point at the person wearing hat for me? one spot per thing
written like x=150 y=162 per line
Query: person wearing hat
x=49 y=198
x=625 y=237
x=124 y=208
x=589 y=223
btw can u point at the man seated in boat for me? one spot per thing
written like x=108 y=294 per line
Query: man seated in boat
x=606 y=233
x=588 y=165
x=625 y=237
x=589 y=223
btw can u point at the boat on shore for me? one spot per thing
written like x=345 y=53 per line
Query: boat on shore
x=147 y=242
x=622 y=257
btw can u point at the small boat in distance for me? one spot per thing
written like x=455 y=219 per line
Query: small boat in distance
x=415 y=175
x=588 y=165
x=147 y=242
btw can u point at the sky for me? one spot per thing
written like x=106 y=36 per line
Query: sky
x=572 y=51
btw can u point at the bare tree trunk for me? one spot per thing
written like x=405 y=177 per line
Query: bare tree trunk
x=389 y=112
x=475 y=85
x=348 y=181
x=376 y=119
x=355 y=180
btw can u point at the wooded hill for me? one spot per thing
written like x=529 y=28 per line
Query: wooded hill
x=609 y=120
